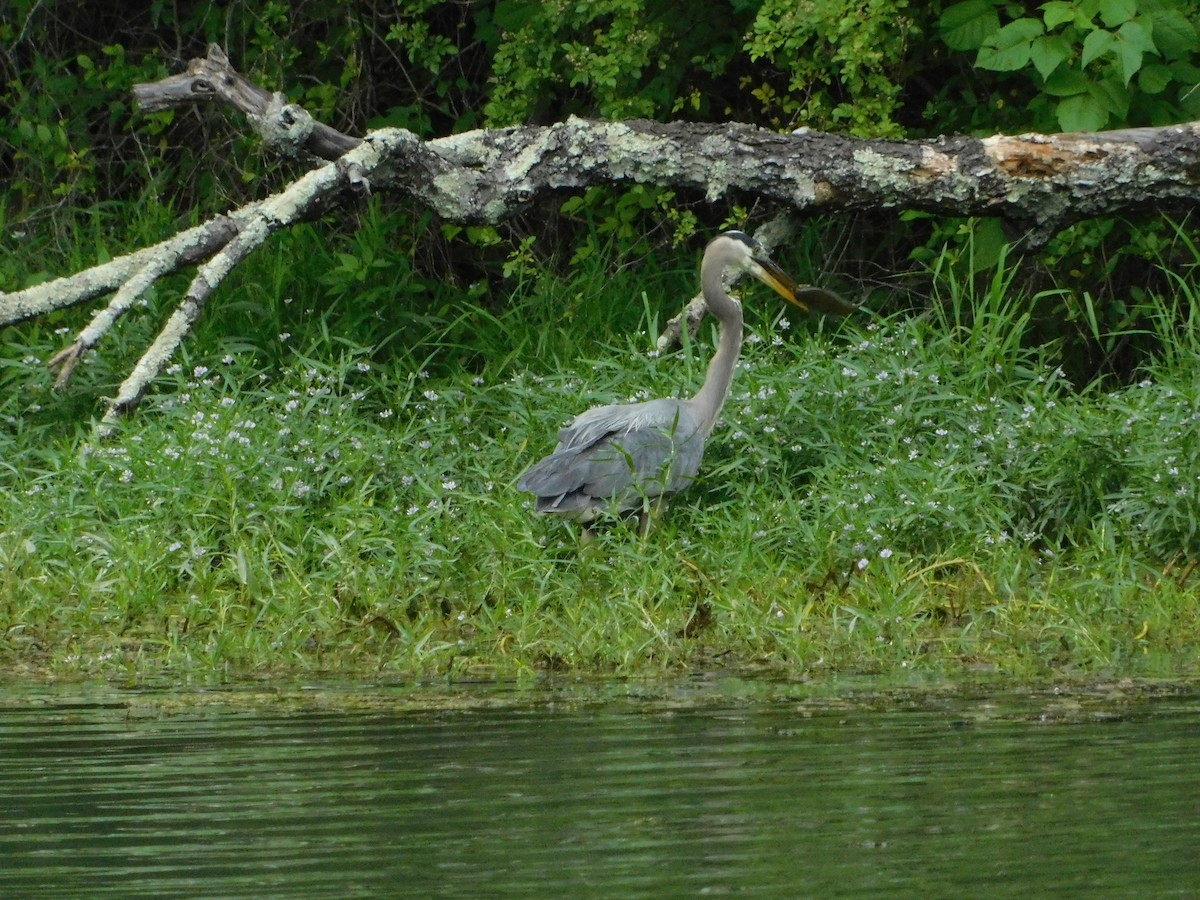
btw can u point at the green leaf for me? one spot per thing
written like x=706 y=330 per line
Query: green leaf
x=965 y=26
x=1081 y=113
x=1085 y=11
x=987 y=244
x=1154 y=78
x=1185 y=73
x=1136 y=35
x=1132 y=42
x=1097 y=44
x=1057 y=13
x=1131 y=60
x=1006 y=60
x=1025 y=29
x=349 y=261
x=1008 y=49
x=1174 y=34
x=1114 y=12
x=1047 y=52
x=1112 y=95
x=1066 y=83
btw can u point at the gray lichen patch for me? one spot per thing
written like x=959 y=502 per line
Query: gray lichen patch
x=890 y=174
x=639 y=156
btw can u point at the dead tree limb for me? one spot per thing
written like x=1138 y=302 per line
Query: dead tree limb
x=313 y=191
x=188 y=247
x=1038 y=183
x=213 y=78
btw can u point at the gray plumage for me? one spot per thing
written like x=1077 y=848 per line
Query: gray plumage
x=611 y=457
x=614 y=458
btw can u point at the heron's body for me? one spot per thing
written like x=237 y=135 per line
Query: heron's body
x=611 y=457
x=616 y=458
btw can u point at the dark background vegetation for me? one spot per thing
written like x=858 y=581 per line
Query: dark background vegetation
x=73 y=149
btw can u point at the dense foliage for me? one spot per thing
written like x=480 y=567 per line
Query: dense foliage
x=1084 y=66
x=72 y=142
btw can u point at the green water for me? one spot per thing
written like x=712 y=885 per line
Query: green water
x=483 y=792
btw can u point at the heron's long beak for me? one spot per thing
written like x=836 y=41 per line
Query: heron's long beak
x=805 y=296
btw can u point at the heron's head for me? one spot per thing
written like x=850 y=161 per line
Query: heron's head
x=738 y=249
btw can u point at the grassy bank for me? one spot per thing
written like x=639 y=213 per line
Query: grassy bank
x=326 y=482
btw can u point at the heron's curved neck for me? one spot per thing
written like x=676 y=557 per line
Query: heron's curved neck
x=728 y=312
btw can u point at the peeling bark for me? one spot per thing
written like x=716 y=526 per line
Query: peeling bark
x=1037 y=183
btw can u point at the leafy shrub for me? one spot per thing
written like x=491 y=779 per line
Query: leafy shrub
x=67 y=69
x=1092 y=63
x=844 y=63
x=829 y=64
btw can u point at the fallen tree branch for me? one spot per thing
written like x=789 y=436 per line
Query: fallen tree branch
x=213 y=78
x=1038 y=183
x=313 y=191
x=186 y=248
x=67 y=359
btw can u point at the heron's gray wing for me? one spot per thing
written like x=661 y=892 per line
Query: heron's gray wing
x=643 y=463
x=600 y=422
x=618 y=454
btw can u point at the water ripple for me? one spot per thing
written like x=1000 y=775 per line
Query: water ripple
x=620 y=798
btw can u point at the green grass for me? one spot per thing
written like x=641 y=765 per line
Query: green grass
x=326 y=484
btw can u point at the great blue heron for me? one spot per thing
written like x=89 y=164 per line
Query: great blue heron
x=626 y=457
